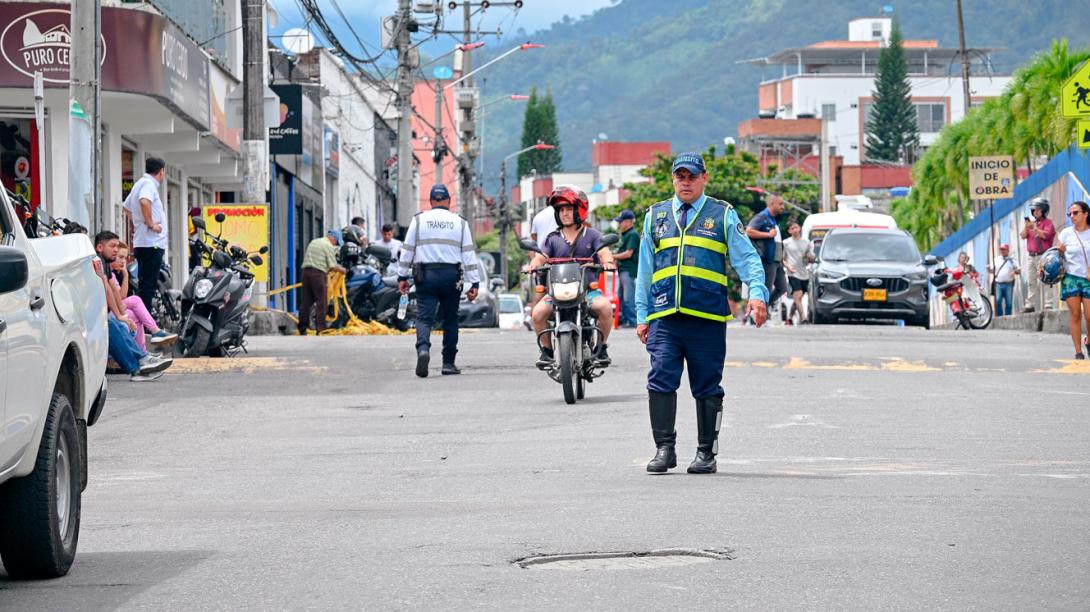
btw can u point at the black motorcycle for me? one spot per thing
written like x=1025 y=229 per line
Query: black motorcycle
x=216 y=299
x=574 y=329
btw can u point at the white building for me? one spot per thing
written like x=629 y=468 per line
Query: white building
x=834 y=80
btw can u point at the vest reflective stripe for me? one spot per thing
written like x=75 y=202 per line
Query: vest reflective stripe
x=711 y=245
x=696 y=264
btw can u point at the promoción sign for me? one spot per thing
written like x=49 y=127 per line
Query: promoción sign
x=246 y=225
x=991 y=177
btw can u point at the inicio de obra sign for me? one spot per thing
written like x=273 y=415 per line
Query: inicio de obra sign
x=991 y=177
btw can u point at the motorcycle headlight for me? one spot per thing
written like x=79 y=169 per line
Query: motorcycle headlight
x=202 y=288
x=565 y=291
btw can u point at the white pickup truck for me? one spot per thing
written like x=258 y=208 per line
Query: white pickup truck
x=53 y=343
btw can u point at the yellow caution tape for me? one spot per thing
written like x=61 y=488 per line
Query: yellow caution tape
x=337 y=295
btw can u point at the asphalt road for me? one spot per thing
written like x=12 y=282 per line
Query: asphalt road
x=860 y=468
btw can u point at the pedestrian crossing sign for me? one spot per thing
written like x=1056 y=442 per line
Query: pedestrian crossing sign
x=1082 y=133
x=1075 y=95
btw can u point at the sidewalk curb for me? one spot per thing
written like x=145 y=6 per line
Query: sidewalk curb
x=1049 y=322
x=271 y=323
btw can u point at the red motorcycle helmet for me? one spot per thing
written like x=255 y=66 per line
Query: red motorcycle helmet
x=568 y=194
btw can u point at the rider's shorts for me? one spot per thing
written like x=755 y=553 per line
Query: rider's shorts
x=1074 y=286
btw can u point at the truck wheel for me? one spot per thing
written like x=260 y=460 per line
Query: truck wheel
x=39 y=513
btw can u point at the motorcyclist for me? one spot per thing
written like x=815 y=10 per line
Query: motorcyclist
x=573 y=238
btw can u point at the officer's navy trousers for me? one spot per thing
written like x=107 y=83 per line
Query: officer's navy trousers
x=437 y=298
x=678 y=339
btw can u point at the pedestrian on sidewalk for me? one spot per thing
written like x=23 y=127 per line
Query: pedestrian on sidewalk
x=1075 y=288
x=439 y=254
x=149 y=220
x=762 y=231
x=1004 y=271
x=627 y=258
x=1039 y=234
x=682 y=308
x=319 y=258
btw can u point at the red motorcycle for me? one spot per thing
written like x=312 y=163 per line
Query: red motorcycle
x=961 y=291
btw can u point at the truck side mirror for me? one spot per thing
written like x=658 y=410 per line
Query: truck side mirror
x=13 y=269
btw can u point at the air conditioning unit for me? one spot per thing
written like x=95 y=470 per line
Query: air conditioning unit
x=767 y=114
x=804 y=116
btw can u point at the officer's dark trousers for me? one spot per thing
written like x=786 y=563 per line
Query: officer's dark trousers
x=678 y=339
x=437 y=297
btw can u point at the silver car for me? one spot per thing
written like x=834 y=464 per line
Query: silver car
x=869 y=274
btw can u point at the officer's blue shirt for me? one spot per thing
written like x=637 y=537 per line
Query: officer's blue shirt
x=743 y=257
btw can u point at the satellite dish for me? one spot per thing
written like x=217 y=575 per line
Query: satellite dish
x=442 y=72
x=603 y=136
x=297 y=41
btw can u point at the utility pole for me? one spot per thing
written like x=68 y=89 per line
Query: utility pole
x=465 y=158
x=964 y=61
x=406 y=203
x=254 y=137
x=84 y=129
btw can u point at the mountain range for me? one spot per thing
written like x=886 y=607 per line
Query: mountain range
x=669 y=69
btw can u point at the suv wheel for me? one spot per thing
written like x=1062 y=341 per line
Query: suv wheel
x=40 y=513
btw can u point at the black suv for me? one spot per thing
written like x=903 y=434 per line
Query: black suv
x=869 y=274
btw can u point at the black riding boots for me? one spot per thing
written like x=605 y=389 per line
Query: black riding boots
x=663 y=408
x=709 y=416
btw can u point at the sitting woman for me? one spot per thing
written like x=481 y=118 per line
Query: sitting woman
x=134 y=306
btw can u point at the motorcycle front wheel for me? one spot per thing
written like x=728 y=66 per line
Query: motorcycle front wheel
x=565 y=356
x=983 y=313
x=198 y=346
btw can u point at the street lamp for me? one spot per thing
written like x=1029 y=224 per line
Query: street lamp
x=522 y=47
x=481 y=116
x=505 y=217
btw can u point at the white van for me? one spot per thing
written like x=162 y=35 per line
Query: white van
x=818 y=224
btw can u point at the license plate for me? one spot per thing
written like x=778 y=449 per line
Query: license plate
x=874 y=295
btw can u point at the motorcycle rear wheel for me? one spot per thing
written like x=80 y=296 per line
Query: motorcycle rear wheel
x=565 y=355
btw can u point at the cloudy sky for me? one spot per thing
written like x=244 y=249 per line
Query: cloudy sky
x=364 y=16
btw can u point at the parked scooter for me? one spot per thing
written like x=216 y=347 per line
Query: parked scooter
x=216 y=299
x=574 y=329
x=961 y=291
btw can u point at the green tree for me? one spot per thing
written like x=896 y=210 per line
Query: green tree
x=1026 y=122
x=539 y=125
x=892 y=133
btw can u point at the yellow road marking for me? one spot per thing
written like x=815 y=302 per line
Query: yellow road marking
x=900 y=365
x=798 y=363
x=1071 y=366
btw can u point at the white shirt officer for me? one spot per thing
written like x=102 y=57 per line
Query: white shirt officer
x=439 y=236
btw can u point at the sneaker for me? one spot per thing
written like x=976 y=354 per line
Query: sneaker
x=546 y=359
x=601 y=356
x=1080 y=356
x=150 y=365
x=163 y=338
x=138 y=377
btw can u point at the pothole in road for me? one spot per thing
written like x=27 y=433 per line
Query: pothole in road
x=625 y=560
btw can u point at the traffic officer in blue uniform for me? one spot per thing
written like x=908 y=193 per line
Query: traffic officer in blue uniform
x=682 y=309
x=439 y=253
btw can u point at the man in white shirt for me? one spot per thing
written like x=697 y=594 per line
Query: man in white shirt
x=1005 y=269
x=149 y=220
x=543 y=224
x=389 y=241
x=796 y=259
